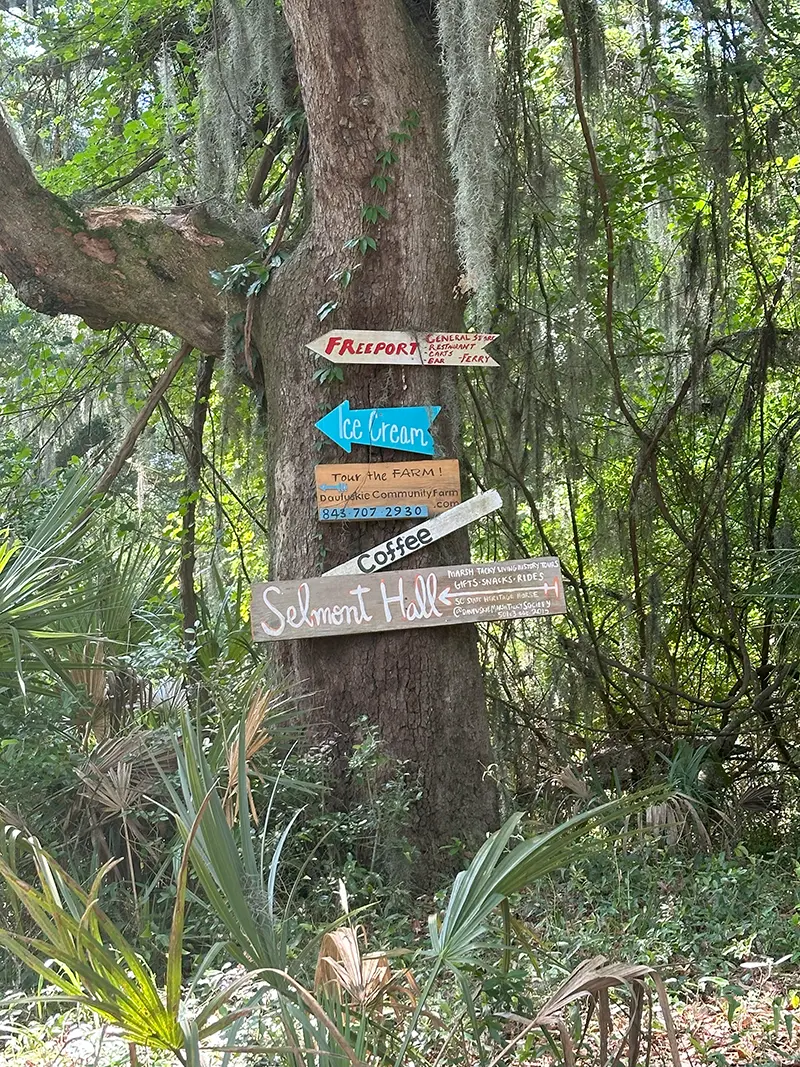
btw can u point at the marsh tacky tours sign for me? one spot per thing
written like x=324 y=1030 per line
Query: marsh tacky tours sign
x=386 y=490
x=406 y=429
x=424 y=349
x=403 y=544
x=402 y=600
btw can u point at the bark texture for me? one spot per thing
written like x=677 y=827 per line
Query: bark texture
x=362 y=68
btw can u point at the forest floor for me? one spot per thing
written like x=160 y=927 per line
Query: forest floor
x=710 y=1034
x=723 y=931
x=751 y=1030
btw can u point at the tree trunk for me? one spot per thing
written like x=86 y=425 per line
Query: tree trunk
x=363 y=67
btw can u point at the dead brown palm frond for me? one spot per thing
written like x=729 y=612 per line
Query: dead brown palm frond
x=592 y=981
x=675 y=815
x=113 y=692
x=366 y=979
x=756 y=799
x=92 y=678
x=256 y=737
x=115 y=780
x=118 y=773
x=114 y=791
x=568 y=779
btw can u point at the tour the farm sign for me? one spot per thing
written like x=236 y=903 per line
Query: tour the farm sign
x=386 y=490
x=398 y=600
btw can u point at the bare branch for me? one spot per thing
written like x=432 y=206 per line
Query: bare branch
x=268 y=157
x=147 y=164
x=143 y=417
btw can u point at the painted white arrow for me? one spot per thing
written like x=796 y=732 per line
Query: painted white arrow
x=424 y=349
x=397 y=548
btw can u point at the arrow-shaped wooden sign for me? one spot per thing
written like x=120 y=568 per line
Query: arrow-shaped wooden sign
x=398 y=600
x=425 y=349
x=417 y=537
x=406 y=429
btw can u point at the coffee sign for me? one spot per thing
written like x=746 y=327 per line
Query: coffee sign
x=403 y=544
x=398 y=600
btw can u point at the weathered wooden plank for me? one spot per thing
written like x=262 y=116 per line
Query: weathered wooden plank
x=393 y=346
x=398 y=600
x=403 y=544
x=434 y=484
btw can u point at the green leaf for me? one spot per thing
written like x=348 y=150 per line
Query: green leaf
x=326 y=309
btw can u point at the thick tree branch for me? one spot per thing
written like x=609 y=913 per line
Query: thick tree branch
x=113 y=264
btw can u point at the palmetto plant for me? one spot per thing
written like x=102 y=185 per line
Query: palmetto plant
x=354 y=1019
x=43 y=610
x=82 y=953
x=61 y=597
x=340 y=1025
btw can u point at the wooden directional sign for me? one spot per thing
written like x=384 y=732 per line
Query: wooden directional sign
x=418 y=537
x=433 y=485
x=406 y=429
x=426 y=349
x=401 y=600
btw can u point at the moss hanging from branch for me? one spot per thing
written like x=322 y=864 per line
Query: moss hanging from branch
x=165 y=76
x=466 y=31
x=585 y=17
x=243 y=70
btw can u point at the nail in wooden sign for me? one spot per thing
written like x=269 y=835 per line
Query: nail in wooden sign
x=403 y=544
x=399 y=600
x=434 y=485
x=425 y=349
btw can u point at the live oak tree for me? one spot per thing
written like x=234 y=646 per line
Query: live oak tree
x=374 y=247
